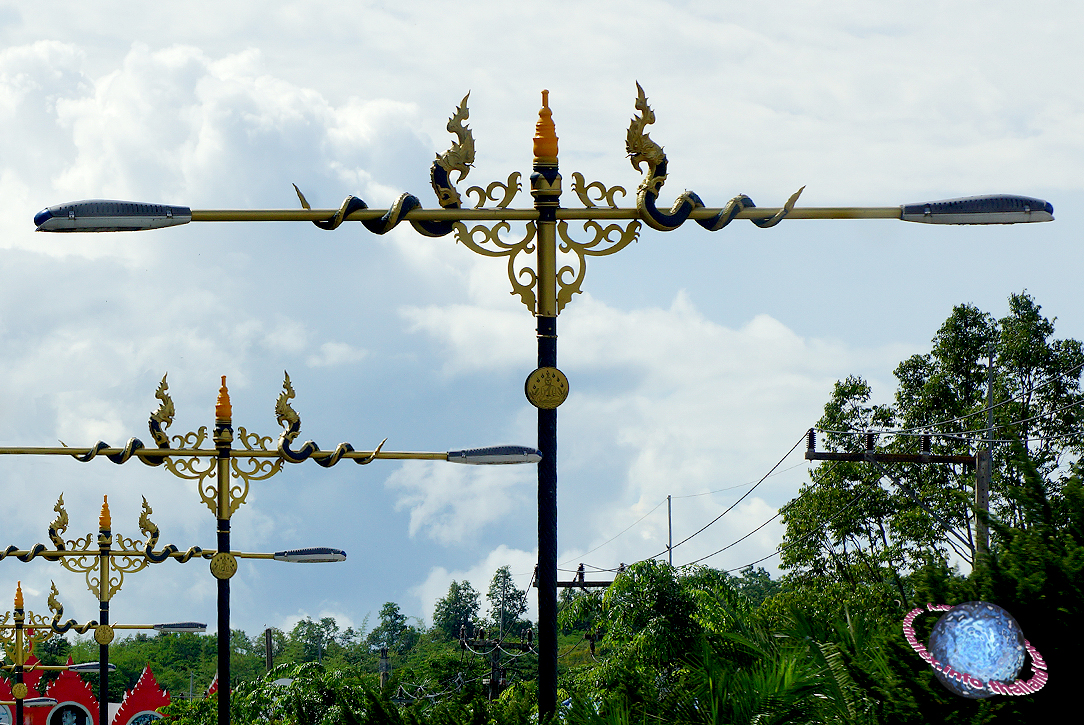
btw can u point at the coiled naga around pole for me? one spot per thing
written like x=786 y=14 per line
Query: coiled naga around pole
x=642 y=150
x=459 y=158
x=159 y=421
x=289 y=419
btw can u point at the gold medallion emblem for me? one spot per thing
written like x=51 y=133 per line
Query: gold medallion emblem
x=103 y=634
x=19 y=690
x=546 y=388
x=223 y=565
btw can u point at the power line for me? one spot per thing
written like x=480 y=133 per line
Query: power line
x=740 y=485
x=720 y=551
x=731 y=507
x=783 y=547
x=660 y=503
x=960 y=436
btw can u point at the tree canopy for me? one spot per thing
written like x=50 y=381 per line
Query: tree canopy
x=506 y=602
x=856 y=520
x=457 y=610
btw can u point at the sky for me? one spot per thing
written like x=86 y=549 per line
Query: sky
x=696 y=360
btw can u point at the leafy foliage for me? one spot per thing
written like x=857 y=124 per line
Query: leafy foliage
x=506 y=602
x=457 y=610
x=858 y=522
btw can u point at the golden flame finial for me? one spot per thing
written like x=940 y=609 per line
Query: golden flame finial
x=223 y=409
x=19 y=595
x=104 y=522
x=545 y=133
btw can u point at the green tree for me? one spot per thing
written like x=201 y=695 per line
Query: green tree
x=756 y=584
x=458 y=609
x=311 y=641
x=393 y=631
x=506 y=602
x=861 y=522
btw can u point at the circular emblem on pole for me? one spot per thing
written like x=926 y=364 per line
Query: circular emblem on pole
x=223 y=565
x=546 y=388
x=19 y=691
x=103 y=634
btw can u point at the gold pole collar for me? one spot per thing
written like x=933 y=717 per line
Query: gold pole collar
x=545 y=133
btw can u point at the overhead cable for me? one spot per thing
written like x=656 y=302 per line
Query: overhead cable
x=731 y=507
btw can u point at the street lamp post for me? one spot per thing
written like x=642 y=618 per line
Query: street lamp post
x=28 y=630
x=550 y=284
x=103 y=635
x=105 y=568
x=19 y=638
x=255 y=460
x=547 y=388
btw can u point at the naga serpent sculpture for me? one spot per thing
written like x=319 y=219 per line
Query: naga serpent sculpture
x=160 y=419
x=642 y=150
x=459 y=158
x=289 y=419
x=58 y=613
x=149 y=529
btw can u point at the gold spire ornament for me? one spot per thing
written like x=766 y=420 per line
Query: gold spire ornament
x=104 y=521
x=545 y=133
x=223 y=409
x=19 y=595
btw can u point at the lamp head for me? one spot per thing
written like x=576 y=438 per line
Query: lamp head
x=312 y=555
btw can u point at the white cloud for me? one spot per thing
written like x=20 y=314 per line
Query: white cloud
x=452 y=502
x=670 y=403
x=335 y=353
x=435 y=586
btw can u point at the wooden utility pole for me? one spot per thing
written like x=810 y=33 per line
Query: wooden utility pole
x=269 y=660
x=669 y=532
x=984 y=466
x=870 y=455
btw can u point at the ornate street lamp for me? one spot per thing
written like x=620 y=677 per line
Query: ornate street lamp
x=104 y=564
x=104 y=633
x=557 y=272
x=18 y=639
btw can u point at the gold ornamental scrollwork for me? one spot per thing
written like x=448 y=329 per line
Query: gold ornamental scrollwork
x=193 y=468
x=35 y=621
x=238 y=493
x=522 y=279
x=252 y=468
x=120 y=563
x=608 y=239
x=208 y=492
x=507 y=191
x=127 y=557
x=605 y=194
